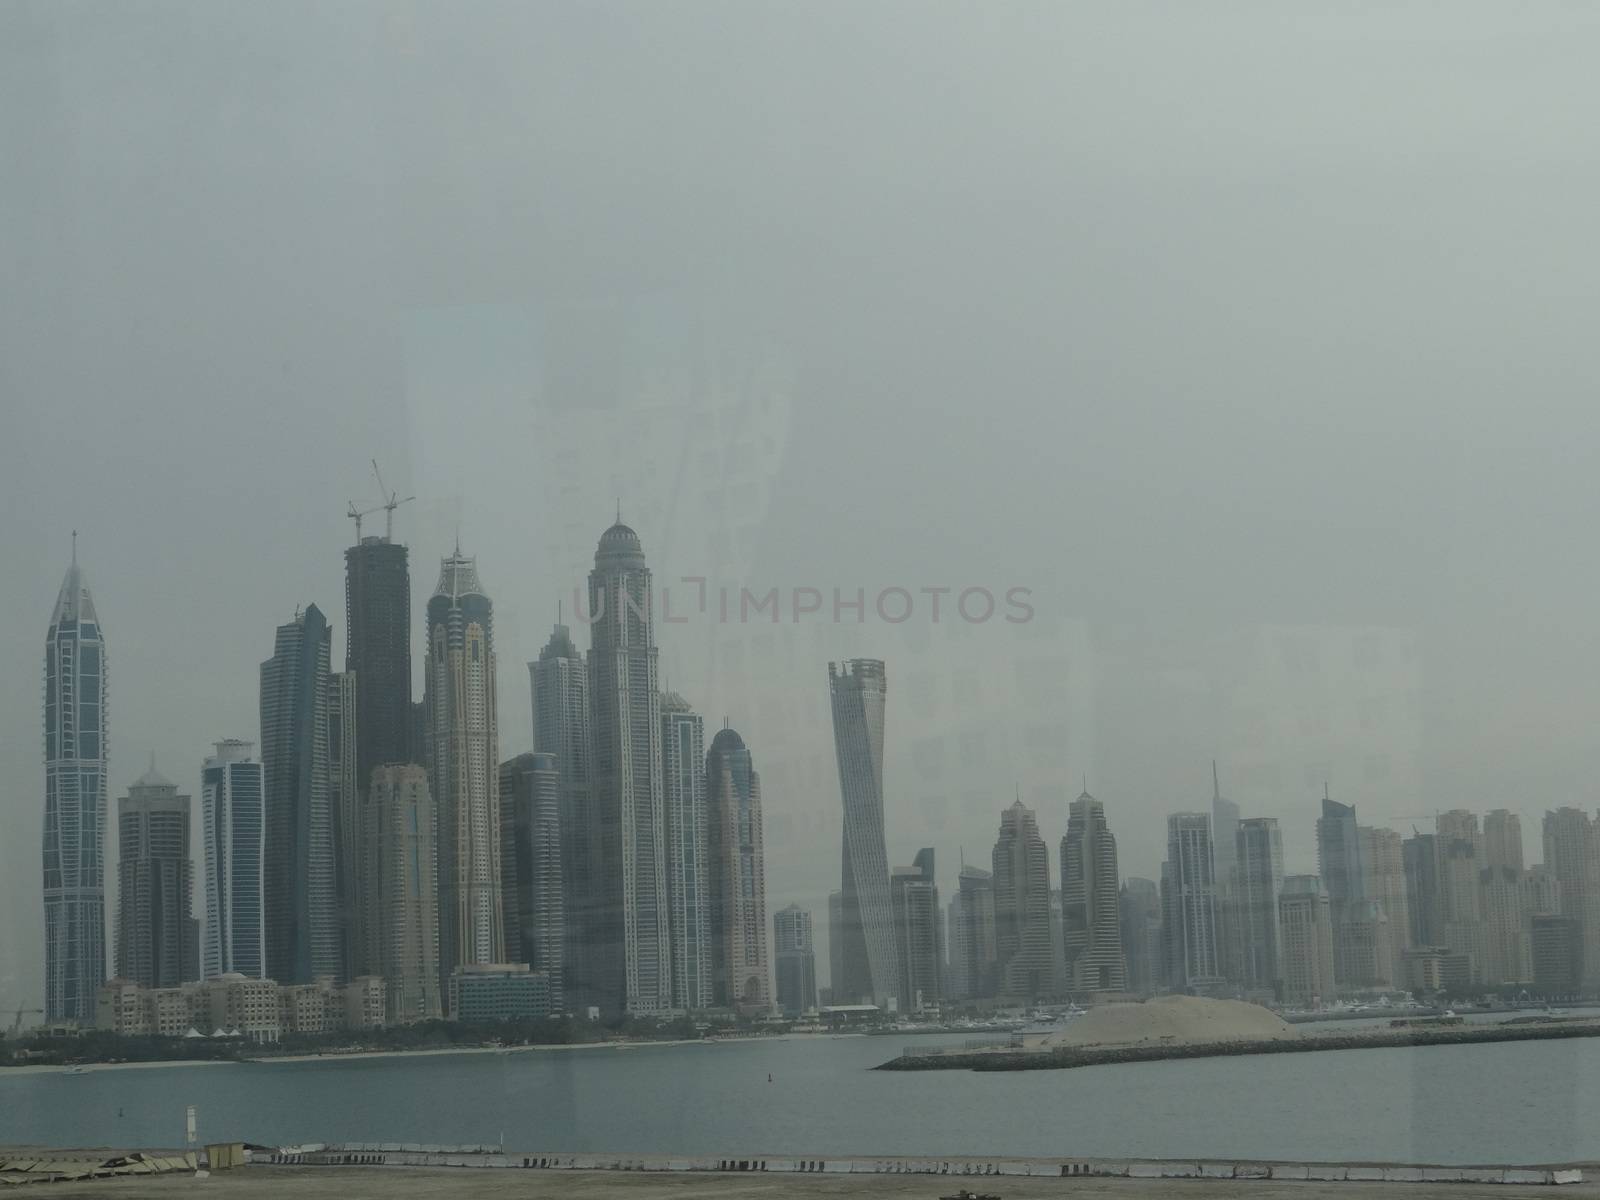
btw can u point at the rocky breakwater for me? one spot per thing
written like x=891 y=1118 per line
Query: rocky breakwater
x=1192 y=1027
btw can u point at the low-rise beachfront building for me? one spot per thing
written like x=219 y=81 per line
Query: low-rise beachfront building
x=258 y=1009
x=500 y=992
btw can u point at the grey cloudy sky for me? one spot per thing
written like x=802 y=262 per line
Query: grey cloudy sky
x=1254 y=338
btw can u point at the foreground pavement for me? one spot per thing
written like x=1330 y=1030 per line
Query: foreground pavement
x=413 y=1183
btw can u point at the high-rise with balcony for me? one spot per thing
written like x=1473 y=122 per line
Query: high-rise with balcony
x=1383 y=864
x=531 y=890
x=463 y=755
x=740 y=972
x=1307 y=931
x=628 y=924
x=377 y=593
x=299 y=869
x=1090 y=907
x=1460 y=849
x=683 y=781
x=1572 y=852
x=869 y=964
x=398 y=884
x=233 y=819
x=1258 y=883
x=74 y=803
x=1024 y=956
x=560 y=682
x=1189 y=905
x=795 y=960
x=156 y=936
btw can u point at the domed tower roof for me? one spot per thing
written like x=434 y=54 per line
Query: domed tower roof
x=619 y=548
x=727 y=741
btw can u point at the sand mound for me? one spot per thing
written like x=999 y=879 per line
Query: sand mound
x=1174 y=1018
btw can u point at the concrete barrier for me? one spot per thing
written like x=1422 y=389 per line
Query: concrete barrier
x=415 y=1155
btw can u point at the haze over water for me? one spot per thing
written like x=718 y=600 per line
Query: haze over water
x=1492 y=1103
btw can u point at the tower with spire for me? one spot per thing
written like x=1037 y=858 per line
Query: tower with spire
x=559 y=679
x=629 y=923
x=74 y=802
x=1091 y=915
x=463 y=761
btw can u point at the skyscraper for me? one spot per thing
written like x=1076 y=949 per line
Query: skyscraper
x=398 y=886
x=74 y=803
x=1224 y=836
x=1189 y=902
x=1140 y=902
x=972 y=935
x=1507 y=951
x=689 y=875
x=560 y=681
x=234 y=823
x=1502 y=839
x=835 y=945
x=1419 y=855
x=1023 y=953
x=463 y=752
x=796 y=960
x=1383 y=864
x=1307 y=930
x=629 y=932
x=738 y=877
x=870 y=968
x=1460 y=870
x=345 y=803
x=155 y=885
x=299 y=872
x=1572 y=852
x=1258 y=883
x=377 y=592
x=530 y=866
x=1090 y=906
x=1355 y=952
x=914 y=900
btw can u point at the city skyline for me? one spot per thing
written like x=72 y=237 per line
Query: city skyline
x=1483 y=905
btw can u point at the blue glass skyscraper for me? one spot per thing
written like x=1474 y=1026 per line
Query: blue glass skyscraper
x=74 y=803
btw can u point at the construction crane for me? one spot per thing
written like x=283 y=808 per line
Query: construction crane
x=16 y=1021
x=356 y=515
x=391 y=501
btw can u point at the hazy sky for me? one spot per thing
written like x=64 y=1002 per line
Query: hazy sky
x=1255 y=339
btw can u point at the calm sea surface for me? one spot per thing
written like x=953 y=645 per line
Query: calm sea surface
x=1506 y=1102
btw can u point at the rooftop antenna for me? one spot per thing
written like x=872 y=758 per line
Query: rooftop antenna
x=619 y=510
x=1216 y=789
x=1324 y=789
x=74 y=547
x=390 y=503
